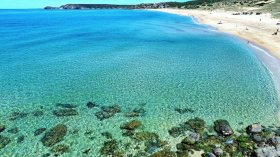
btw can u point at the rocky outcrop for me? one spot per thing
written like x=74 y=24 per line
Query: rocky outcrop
x=222 y=127
x=54 y=135
x=132 y=125
x=108 y=6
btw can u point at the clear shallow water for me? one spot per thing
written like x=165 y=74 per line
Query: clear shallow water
x=127 y=58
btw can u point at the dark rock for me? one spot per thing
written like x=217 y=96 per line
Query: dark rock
x=132 y=125
x=39 y=131
x=17 y=115
x=107 y=112
x=218 y=151
x=65 y=112
x=38 y=113
x=60 y=149
x=20 y=139
x=164 y=153
x=91 y=105
x=128 y=133
x=153 y=145
x=210 y=155
x=13 y=130
x=4 y=141
x=2 y=127
x=111 y=109
x=175 y=131
x=109 y=147
x=54 y=135
x=274 y=141
x=254 y=128
x=196 y=124
x=222 y=127
x=107 y=135
x=101 y=115
x=191 y=139
x=136 y=112
x=86 y=151
x=66 y=105
x=145 y=136
x=46 y=155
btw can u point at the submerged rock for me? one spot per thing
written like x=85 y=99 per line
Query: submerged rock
x=60 y=149
x=197 y=124
x=222 y=127
x=164 y=153
x=191 y=139
x=107 y=112
x=145 y=136
x=66 y=105
x=17 y=115
x=39 y=131
x=54 y=135
x=46 y=155
x=184 y=110
x=107 y=135
x=132 y=125
x=86 y=151
x=109 y=147
x=2 y=127
x=91 y=105
x=38 y=113
x=175 y=131
x=111 y=109
x=13 y=130
x=4 y=141
x=65 y=112
x=20 y=139
x=136 y=112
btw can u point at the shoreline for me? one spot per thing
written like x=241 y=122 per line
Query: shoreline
x=268 y=54
x=259 y=32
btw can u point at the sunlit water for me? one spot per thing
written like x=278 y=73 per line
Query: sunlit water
x=129 y=58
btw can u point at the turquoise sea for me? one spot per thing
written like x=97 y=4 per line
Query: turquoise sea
x=168 y=66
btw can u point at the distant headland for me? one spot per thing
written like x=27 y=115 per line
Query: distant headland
x=108 y=6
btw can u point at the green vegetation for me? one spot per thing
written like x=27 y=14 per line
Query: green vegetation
x=271 y=6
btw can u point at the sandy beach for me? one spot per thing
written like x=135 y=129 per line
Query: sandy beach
x=257 y=29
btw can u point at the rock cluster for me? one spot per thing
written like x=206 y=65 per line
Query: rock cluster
x=107 y=112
